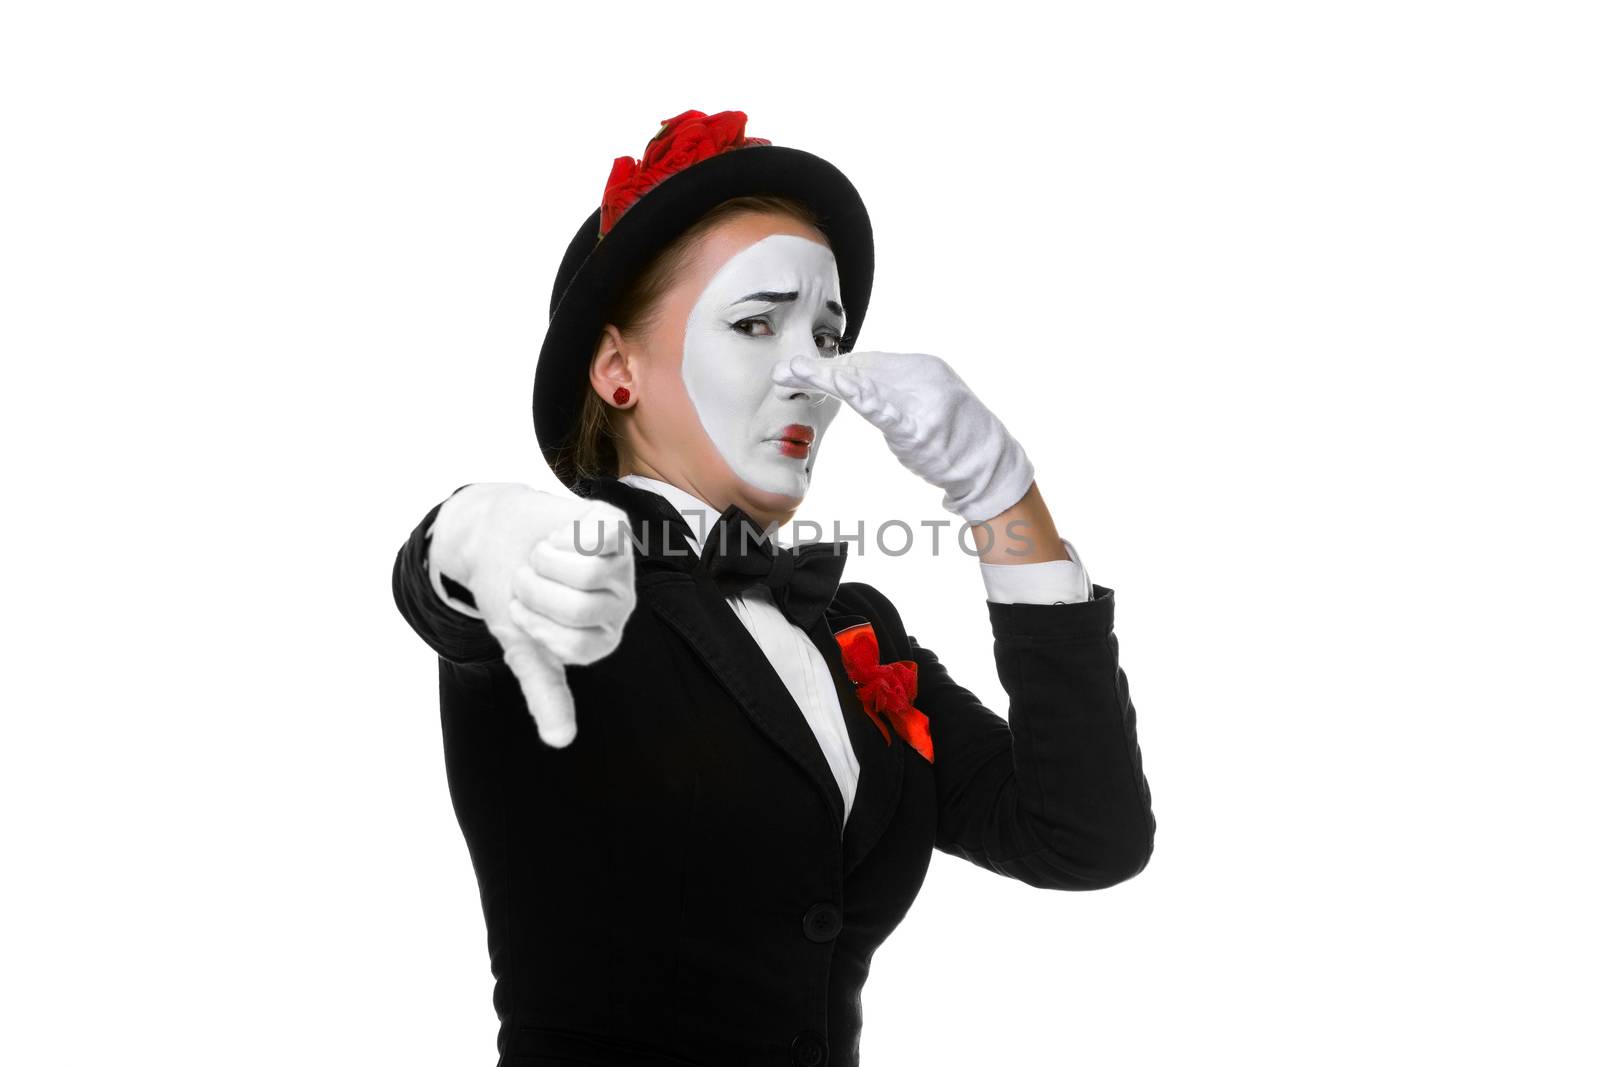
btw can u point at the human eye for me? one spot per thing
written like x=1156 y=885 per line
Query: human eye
x=828 y=341
x=753 y=322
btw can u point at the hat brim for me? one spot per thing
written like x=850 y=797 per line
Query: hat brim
x=593 y=271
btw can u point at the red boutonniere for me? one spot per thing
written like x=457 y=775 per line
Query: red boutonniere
x=682 y=141
x=886 y=689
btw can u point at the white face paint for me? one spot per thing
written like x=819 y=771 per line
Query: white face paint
x=774 y=299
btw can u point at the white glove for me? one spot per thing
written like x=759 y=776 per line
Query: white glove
x=932 y=422
x=550 y=600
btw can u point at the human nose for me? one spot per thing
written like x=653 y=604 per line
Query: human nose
x=812 y=397
x=810 y=393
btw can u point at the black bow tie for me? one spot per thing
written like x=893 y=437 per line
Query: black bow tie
x=738 y=553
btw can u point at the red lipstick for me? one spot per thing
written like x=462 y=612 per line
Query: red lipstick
x=794 y=440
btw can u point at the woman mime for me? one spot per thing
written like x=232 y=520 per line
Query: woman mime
x=699 y=774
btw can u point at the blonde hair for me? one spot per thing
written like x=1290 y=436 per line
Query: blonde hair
x=590 y=449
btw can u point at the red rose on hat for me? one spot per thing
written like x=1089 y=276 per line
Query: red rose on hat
x=682 y=141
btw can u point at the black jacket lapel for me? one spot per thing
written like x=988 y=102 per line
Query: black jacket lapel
x=882 y=764
x=696 y=609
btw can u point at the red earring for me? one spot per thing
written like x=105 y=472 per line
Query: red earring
x=621 y=395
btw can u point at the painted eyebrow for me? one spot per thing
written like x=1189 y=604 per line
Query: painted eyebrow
x=768 y=296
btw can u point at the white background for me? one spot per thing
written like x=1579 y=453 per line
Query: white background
x=1294 y=307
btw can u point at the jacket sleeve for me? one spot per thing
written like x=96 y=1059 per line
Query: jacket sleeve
x=455 y=636
x=1057 y=796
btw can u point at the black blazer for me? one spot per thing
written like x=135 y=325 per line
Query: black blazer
x=675 y=887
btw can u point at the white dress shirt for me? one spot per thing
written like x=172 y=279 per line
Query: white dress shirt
x=801 y=666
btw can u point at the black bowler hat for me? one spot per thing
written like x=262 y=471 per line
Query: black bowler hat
x=693 y=163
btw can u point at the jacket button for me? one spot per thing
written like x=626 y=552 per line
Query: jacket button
x=822 y=922
x=808 y=1050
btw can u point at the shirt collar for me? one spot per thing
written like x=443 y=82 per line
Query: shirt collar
x=696 y=512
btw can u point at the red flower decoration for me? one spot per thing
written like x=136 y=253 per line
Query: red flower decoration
x=682 y=141
x=886 y=689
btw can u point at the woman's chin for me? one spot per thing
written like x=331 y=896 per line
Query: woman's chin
x=777 y=486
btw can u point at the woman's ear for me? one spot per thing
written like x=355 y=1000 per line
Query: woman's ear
x=611 y=371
